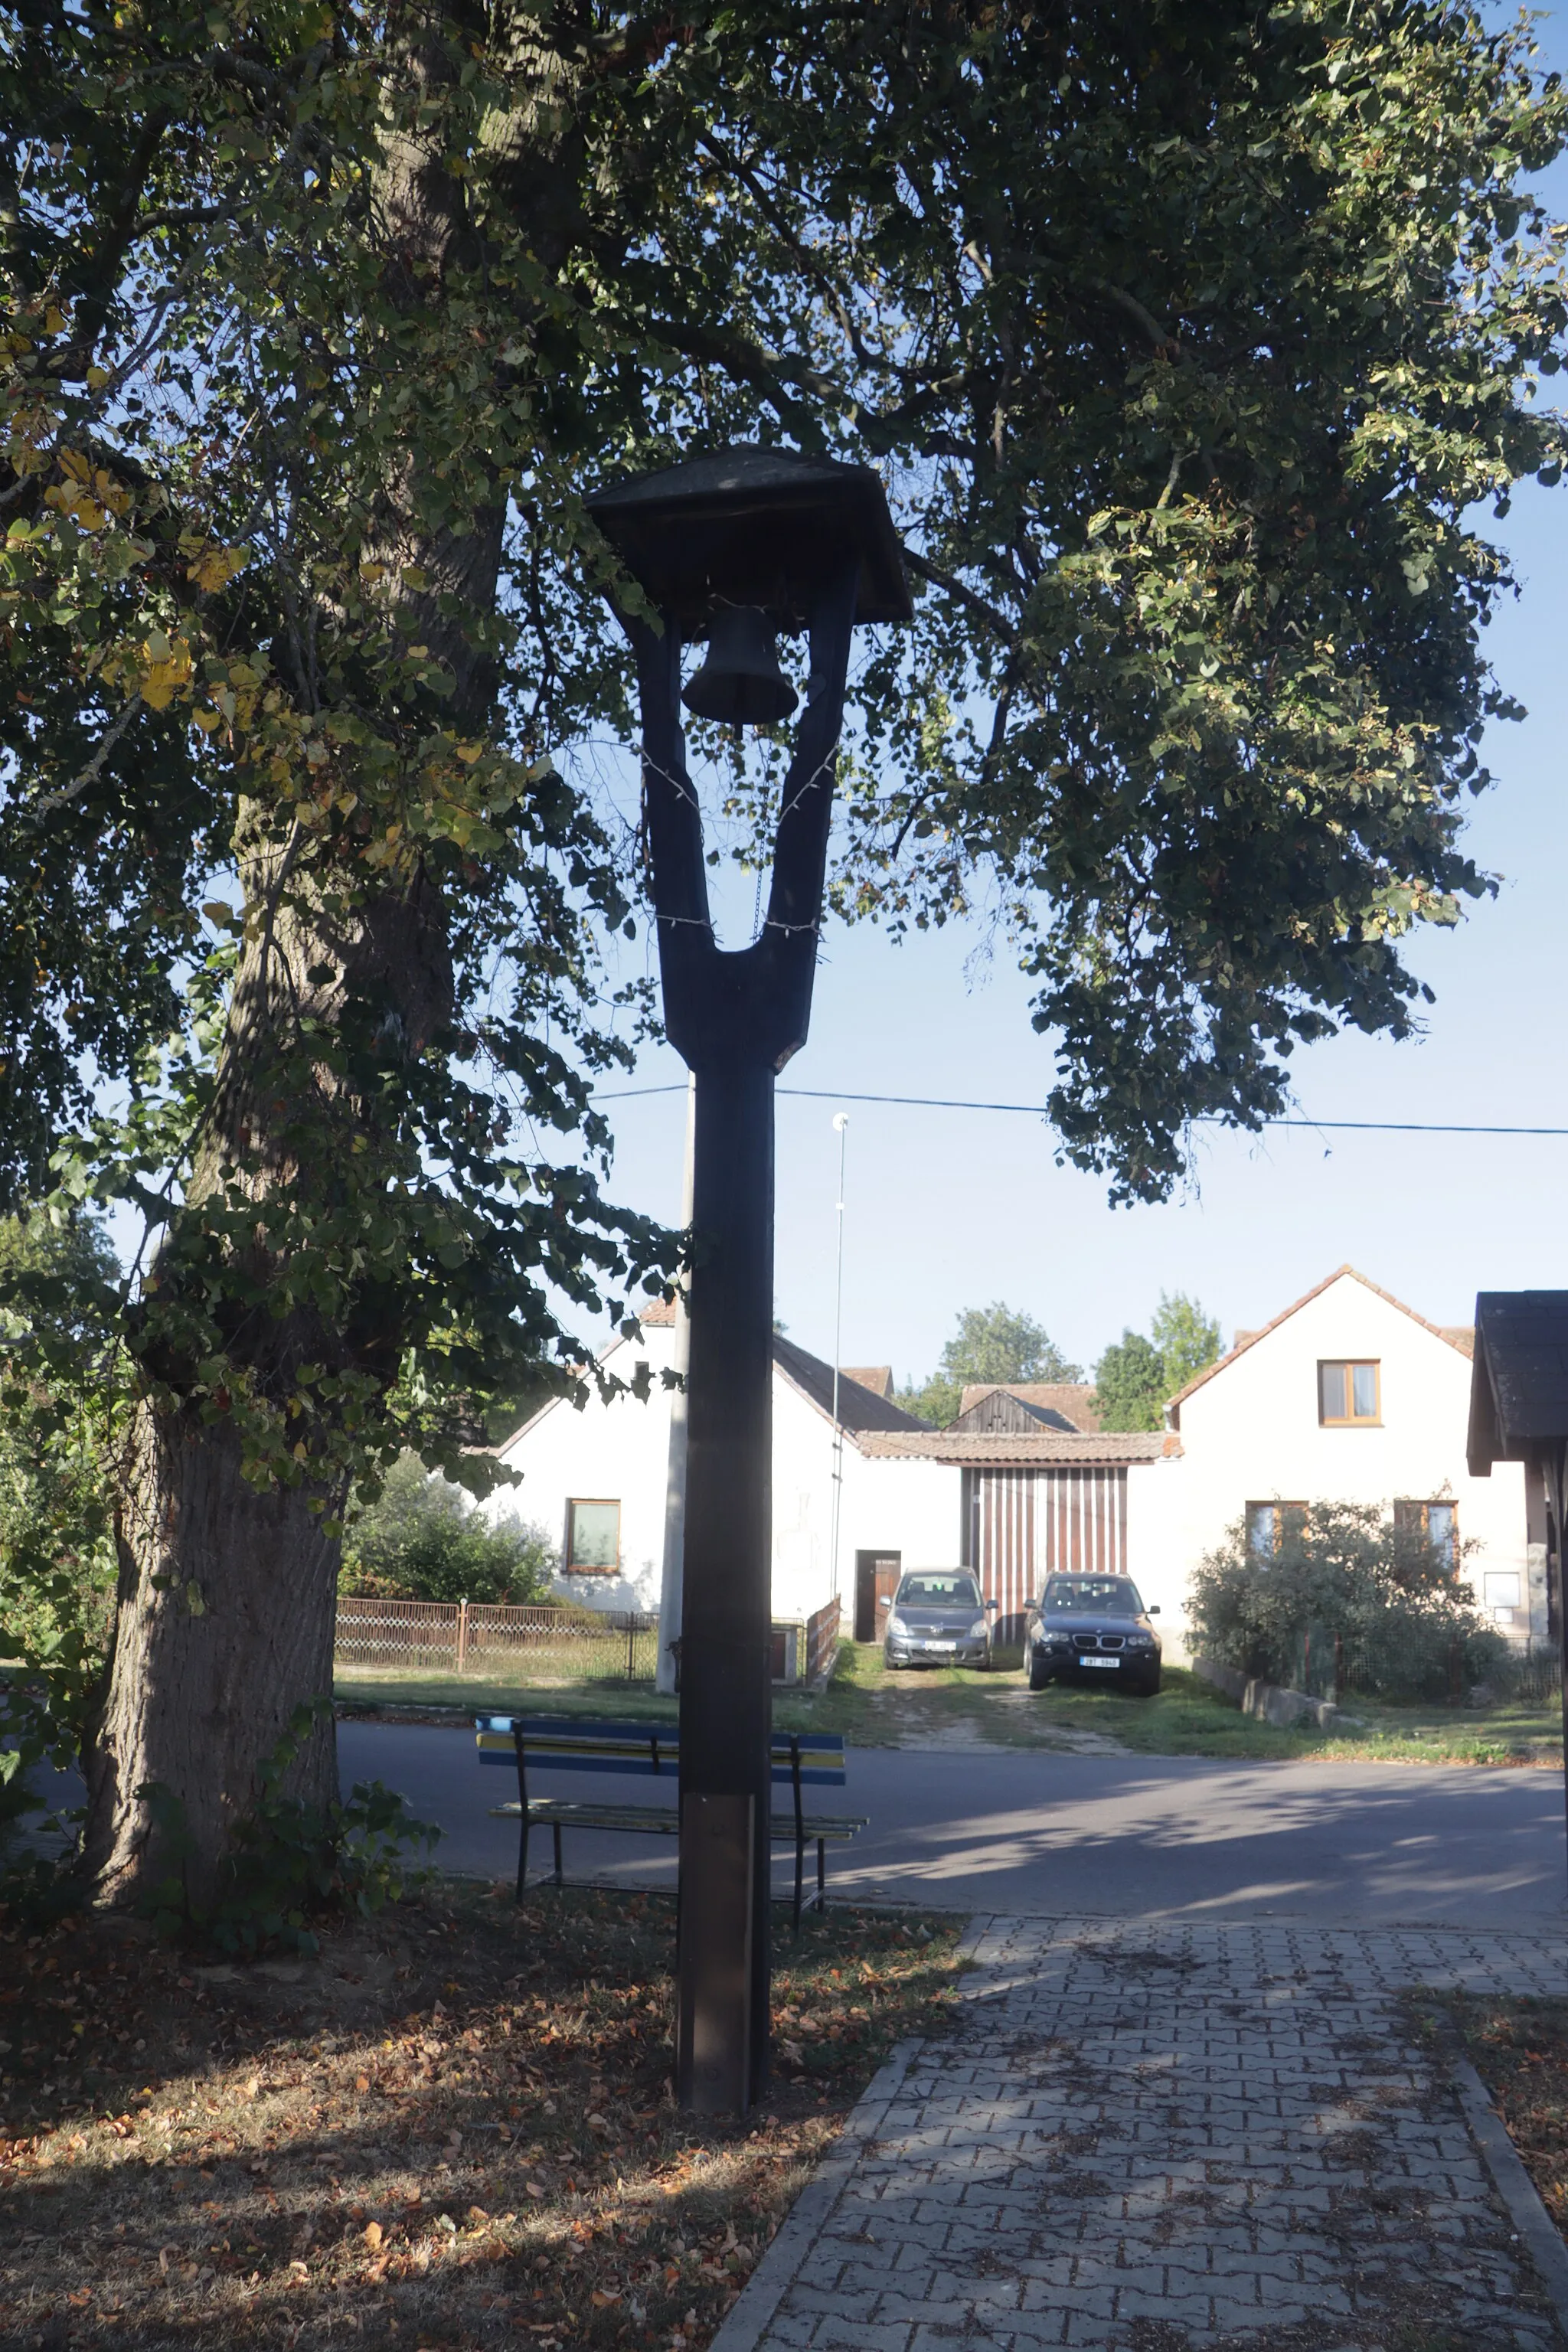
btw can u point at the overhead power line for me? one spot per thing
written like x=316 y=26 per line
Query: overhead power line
x=1037 y=1110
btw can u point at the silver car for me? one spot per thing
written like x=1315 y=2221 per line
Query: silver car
x=938 y=1619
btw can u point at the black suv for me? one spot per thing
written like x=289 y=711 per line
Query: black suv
x=1092 y=1629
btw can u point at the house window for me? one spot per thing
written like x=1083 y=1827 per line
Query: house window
x=1348 y=1395
x=1434 y=1525
x=592 y=1538
x=1268 y=1523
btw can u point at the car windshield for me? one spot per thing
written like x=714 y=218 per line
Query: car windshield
x=1113 y=1596
x=943 y=1591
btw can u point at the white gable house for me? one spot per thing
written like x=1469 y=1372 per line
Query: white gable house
x=596 y=1476
x=1350 y=1396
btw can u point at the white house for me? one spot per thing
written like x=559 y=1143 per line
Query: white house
x=1348 y=1395
x=596 y=1476
x=1011 y=1505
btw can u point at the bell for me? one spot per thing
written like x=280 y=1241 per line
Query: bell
x=740 y=683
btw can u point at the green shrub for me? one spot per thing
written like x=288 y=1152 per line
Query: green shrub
x=1345 y=1587
x=62 y=1415
x=423 y=1540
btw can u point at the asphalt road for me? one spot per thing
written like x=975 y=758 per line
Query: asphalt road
x=1126 y=1836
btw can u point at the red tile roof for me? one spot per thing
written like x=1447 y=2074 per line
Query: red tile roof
x=878 y=1378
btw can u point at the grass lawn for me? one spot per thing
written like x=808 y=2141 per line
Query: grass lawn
x=454 y=2128
x=391 y=1686
x=948 y=1706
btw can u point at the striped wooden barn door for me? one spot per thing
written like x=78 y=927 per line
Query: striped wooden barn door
x=1022 y=1526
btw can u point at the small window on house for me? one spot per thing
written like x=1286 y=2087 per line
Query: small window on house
x=1501 y=1594
x=1348 y=1395
x=1434 y=1525
x=592 y=1538
x=1267 y=1525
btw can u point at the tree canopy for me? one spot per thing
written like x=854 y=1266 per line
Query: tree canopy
x=994 y=1343
x=1136 y=1377
x=1188 y=342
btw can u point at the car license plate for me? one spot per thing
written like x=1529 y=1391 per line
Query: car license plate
x=1099 y=1661
x=941 y=1645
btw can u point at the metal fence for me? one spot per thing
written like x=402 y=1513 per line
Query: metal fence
x=1534 y=1675
x=497 y=1639
x=1444 y=1669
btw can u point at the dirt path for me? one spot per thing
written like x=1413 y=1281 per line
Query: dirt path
x=911 y=1718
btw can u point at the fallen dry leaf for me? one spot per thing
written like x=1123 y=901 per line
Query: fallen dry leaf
x=568 y=2018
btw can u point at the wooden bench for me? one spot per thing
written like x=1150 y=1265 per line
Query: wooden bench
x=558 y=1743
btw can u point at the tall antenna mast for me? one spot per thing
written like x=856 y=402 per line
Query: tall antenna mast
x=841 y=1129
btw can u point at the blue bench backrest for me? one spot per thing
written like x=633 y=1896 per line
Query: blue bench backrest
x=565 y=1743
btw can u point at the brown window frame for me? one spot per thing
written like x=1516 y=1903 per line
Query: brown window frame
x=1277 y=1509
x=569 y=1567
x=1348 y=1365
x=1412 y=1514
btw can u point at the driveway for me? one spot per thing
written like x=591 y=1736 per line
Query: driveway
x=1025 y=1832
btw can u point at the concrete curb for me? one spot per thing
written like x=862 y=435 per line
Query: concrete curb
x=1538 y=2232
x=752 y=2312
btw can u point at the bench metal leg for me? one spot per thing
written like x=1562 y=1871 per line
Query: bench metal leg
x=821 y=1878
x=556 y=1827
x=799 y=1869
x=521 y=1856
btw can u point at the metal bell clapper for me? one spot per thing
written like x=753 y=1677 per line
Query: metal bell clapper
x=740 y=683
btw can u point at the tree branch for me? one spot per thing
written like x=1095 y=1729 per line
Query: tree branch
x=991 y=613
x=770 y=372
x=94 y=768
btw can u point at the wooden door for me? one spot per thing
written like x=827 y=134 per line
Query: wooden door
x=877 y=1576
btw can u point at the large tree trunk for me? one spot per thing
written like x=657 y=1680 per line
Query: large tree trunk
x=227 y=1592
x=229 y=1589
x=224 y=1624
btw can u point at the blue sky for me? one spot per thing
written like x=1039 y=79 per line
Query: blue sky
x=948 y=1209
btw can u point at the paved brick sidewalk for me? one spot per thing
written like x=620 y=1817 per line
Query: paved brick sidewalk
x=1147 y=2139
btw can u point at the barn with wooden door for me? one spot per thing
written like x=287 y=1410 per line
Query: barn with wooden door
x=1029 y=1504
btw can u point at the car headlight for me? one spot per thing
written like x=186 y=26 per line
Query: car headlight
x=1140 y=1641
x=977 y=1630
x=1059 y=1642
x=897 y=1625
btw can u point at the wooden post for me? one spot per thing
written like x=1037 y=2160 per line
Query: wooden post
x=462 y=1637
x=736 y=1019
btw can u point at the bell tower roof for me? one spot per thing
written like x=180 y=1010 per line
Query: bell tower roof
x=757 y=526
